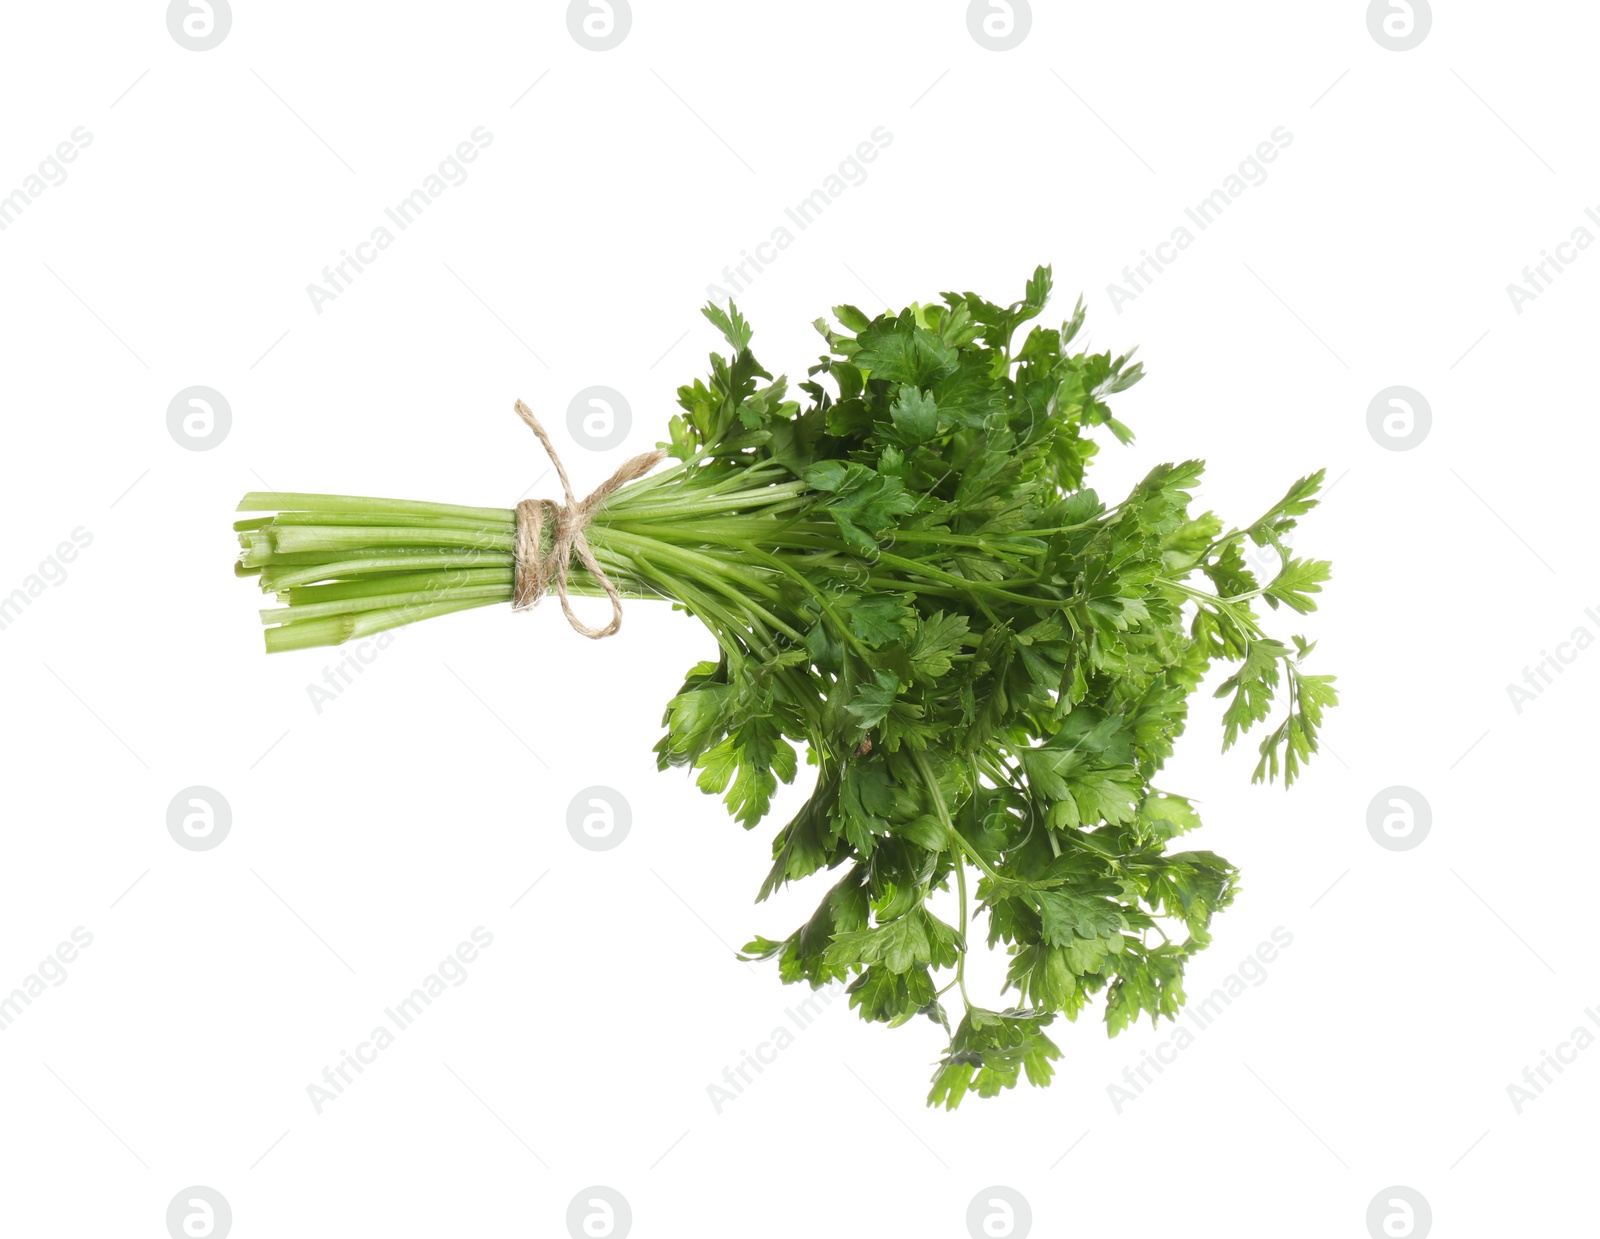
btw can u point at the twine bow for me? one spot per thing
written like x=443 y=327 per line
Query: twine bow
x=533 y=570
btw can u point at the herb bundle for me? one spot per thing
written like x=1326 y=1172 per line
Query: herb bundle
x=908 y=580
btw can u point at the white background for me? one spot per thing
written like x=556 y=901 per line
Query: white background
x=372 y=837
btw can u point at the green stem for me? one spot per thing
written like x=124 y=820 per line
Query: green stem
x=273 y=501
x=351 y=606
x=339 y=629
x=961 y=959
x=920 y=760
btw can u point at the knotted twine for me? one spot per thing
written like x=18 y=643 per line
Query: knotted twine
x=533 y=570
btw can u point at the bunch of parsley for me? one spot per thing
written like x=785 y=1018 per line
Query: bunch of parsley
x=908 y=580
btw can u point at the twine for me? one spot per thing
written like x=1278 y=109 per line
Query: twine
x=533 y=570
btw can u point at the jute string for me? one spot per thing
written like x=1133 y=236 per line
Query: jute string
x=568 y=521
